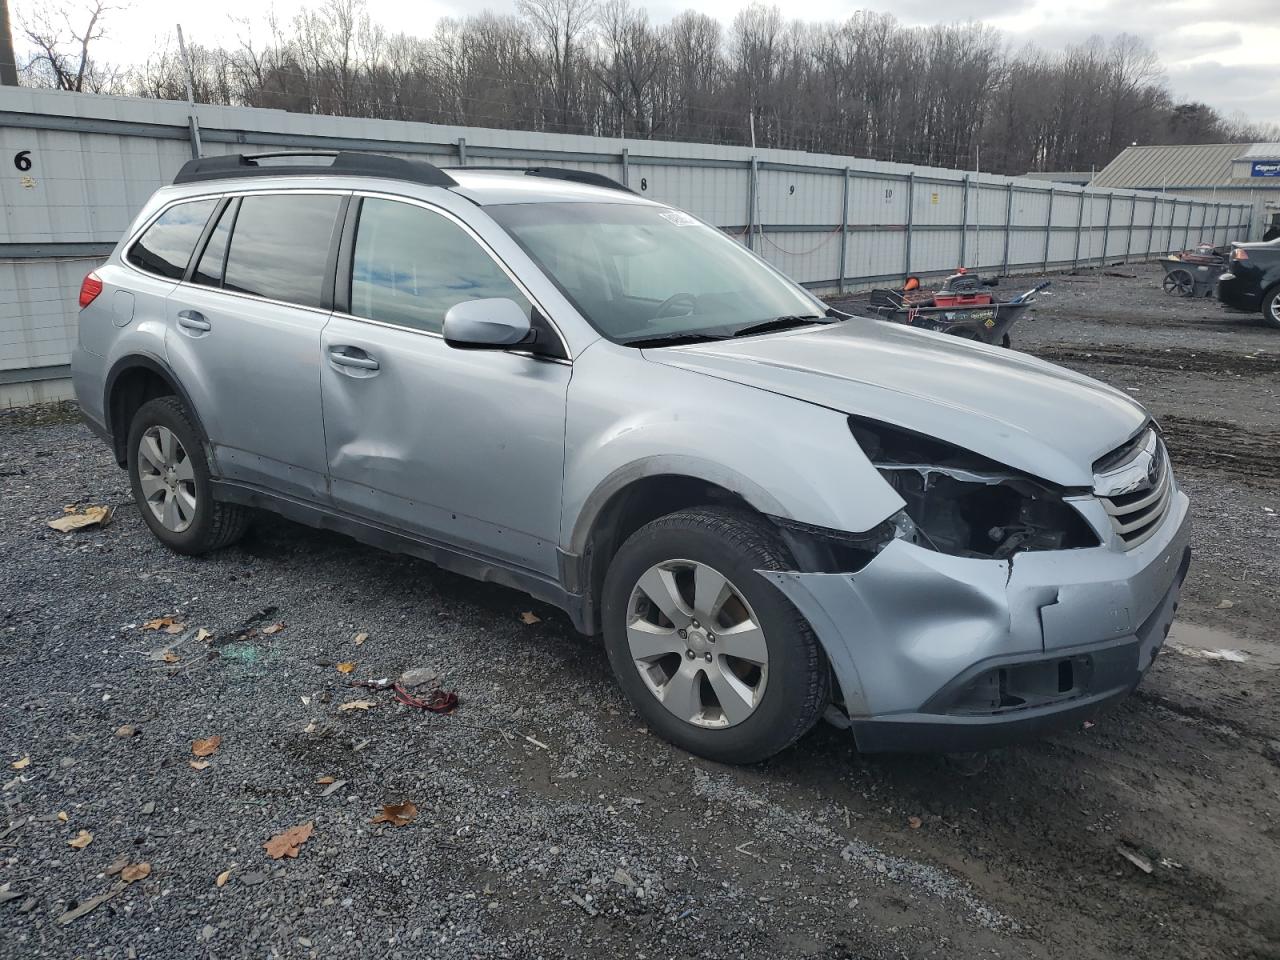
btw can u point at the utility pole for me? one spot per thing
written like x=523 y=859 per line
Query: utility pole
x=8 y=63
x=193 y=124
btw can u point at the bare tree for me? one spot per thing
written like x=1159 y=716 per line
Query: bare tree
x=62 y=36
x=866 y=86
x=562 y=28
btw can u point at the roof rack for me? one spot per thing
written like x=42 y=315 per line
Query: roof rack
x=345 y=163
x=560 y=173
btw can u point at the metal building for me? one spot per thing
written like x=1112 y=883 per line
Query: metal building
x=1233 y=172
x=77 y=167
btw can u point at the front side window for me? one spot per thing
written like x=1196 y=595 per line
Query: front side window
x=640 y=272
x=165 y=247
x=411 y=265
x=280 y=247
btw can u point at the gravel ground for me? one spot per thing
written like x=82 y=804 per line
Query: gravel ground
x=549 y=823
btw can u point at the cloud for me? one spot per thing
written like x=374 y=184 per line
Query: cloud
x=931 y=11
x=1251 y=89
x=1184 y=45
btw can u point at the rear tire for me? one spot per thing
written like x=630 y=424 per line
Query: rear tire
x=170 y=478
x=731 y=708
x=1271 y=308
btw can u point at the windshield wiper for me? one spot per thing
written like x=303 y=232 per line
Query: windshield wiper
x=672 y=339
x=779 y=323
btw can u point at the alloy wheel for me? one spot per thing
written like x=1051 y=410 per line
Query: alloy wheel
x=697 y=644
x=167 y=478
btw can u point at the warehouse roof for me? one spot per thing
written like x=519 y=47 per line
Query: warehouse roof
x=1078 y=177
x=1190 y=165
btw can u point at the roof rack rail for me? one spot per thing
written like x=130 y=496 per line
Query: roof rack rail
x=559 y=173
x=346 y=163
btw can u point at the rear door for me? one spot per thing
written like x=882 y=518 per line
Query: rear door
x=462 y=446
x=244 y=336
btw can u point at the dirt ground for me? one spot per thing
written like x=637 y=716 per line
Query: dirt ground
x=549 y=823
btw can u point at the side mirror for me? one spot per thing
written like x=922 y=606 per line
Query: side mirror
x=493 y=323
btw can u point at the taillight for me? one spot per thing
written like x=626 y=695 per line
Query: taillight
x=90 y=287
x=1239 y=254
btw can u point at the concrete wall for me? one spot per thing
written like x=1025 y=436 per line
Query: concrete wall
x=94 y=160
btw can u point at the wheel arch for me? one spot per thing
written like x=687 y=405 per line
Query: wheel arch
x=636 y=494
x=131 y=382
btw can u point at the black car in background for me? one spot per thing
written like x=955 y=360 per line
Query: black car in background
x=1253 y=280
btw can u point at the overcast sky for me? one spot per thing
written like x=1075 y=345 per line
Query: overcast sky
x=1223 y=52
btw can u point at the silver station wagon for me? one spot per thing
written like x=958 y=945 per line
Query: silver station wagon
x=770 y=510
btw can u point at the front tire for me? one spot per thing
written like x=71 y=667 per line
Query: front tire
x=1271 y=308
x=170 y=478
x=713 y=657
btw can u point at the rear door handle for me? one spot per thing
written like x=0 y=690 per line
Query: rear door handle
x=193 y=320
x=352 y=357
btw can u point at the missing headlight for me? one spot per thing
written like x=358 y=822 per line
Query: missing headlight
x=967 y=505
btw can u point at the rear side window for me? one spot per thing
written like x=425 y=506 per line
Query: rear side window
x=280 y=247
x=165 y=246
x=208 y=269
x=411 y=265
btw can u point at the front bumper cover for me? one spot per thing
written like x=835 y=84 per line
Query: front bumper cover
x=917 y=639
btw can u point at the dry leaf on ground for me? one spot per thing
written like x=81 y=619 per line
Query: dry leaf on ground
x=135 y=871
x=162 y=623
x=206 y=747
x=90 y=516
x=347 y=667
x=169 y=657
x=360 y=638
x=914 y=822
x=127 y=730
x=62 y=816
x=528 y=617
x=325 y=781
x=21 y=764
x=356 y=705
x=286 y=844
x=198 y=764
x=396 y=814
x=223 y=877
x=202 y=635
x=274 y=628
x=82 y=840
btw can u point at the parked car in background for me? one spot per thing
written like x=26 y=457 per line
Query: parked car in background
x=771 y=511
x=1252 y=280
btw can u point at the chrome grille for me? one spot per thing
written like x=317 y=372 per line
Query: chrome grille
x=1136 y=493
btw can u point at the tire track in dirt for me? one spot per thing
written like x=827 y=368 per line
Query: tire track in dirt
x=1257 y=364
x=1223 y=447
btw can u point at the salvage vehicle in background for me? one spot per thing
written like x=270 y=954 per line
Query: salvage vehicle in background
x=771 y=511
x=1252 y=280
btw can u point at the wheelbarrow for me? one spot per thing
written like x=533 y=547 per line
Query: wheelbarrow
x=1193 y=273
x=988 y=322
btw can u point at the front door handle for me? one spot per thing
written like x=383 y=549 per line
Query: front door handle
x=352 y=357
x=193 y=320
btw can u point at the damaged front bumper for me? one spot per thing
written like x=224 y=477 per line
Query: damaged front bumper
x=938 y=652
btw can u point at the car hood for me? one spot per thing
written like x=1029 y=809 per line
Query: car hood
x=1023 y=412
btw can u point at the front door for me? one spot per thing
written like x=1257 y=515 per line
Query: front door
x=461 y=446
x=243 y=336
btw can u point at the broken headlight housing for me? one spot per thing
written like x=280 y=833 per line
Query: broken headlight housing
x=961 y=503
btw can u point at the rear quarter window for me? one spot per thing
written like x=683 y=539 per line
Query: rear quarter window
x=165 y=247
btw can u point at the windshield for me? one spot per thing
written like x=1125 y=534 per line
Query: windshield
x=642 y=273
